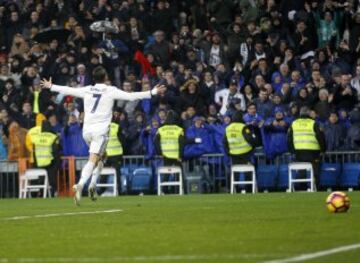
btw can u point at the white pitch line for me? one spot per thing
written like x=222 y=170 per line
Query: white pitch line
x=318 y=254
x=63 y=214
x=159 y=258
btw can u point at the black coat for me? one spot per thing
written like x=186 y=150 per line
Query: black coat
x=334 y=136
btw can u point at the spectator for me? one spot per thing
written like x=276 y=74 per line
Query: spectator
x=264 y=106
x=345 y=96
x=296 y=82
x=303 y=98
x=147 y=138
x=352 y=141
x=277 y=101
x=275 y=134
x=82 y=77
x=344 y=118
x=16 y=147
x=327 y=28
x=128 y=106
x=283 y=75
x=355 y=83
x=335 y=133
x=224 y=98
x=304 y=41
x=12 y=26
x=249 y=94
x=299 y=53
x=160 y=48
x=71 y=138
x=254 y=120
x=215 y=52
x=323 y=106
x=3 y=137
x=162 y=17
x=134 y=132
x=26 y=118
x=54 y=123
x=192 y=95
x=10 y=95
x=199 y=139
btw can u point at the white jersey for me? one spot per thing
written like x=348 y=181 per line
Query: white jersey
x=98 y=104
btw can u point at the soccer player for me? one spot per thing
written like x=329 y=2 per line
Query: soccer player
x=98 y=104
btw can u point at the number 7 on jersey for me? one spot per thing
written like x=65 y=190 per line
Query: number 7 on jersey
x=97 y=99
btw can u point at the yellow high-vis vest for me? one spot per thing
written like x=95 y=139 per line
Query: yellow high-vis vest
x=304 y=136
x=29 y=141
x=43 y=147
x=114 y=146
x=237 y=143
x=169 y=140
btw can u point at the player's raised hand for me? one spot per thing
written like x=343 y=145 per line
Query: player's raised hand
x=44 y=83
x=160 y=89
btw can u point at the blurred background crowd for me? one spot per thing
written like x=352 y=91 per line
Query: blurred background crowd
x=264 y=58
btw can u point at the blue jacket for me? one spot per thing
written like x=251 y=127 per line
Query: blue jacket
x=146 y=107
x=248 y=119
x=198 y=149
x=277 y=86
x=217 y=135
x=265 y=109
x=72 y=141
x=3 y=151
x=275 y=138
x=147 y=139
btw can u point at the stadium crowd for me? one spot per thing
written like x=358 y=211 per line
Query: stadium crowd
x=264 y=58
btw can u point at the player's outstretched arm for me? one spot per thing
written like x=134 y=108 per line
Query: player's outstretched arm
x=76 y=92
x=131 y=96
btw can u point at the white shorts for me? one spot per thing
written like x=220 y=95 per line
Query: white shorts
x=97 y=143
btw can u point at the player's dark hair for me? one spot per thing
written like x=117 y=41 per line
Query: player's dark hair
x=99 y=74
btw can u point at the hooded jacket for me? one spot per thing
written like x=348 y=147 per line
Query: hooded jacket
x=205 y=147
x=72 y=141
x=275 y=137
x=17 y=148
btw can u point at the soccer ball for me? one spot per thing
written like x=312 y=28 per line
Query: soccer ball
x=338 y=202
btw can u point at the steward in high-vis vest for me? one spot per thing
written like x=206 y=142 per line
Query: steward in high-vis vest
x=169 y=141
x=114 y=146
x=239 y=140
x=45 y=149
x=33 y=131
x=114 y=152
x=306 y=140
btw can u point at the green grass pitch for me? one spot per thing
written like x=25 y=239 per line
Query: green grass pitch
x=197 y=228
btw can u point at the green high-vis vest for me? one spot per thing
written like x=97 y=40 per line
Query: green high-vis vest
x=114 y=146
x=304 y=136
x=237 y=143
x=169 y=140
x=43 y=143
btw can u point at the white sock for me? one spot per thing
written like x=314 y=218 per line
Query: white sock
x=86 y=173
x=96 y=174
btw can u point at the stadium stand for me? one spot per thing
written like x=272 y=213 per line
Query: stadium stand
x=216 y=57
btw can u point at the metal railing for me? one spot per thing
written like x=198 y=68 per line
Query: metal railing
x=215 y=167
x=9 y=179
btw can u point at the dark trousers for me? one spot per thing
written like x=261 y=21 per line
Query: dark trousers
x=171 y=162
x=240 y=159
x=313 y=158
x=52 y=170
